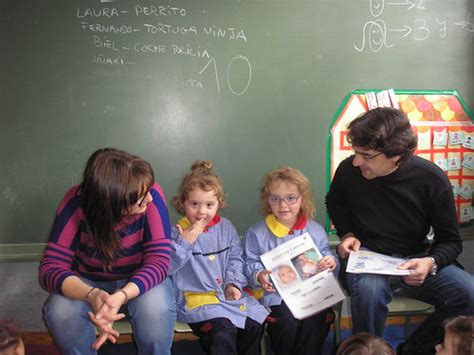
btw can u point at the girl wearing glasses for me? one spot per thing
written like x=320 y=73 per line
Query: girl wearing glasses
x=208 y=269
x=287 y=202
x=109 y=247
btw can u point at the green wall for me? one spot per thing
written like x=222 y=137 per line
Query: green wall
x=251 y=85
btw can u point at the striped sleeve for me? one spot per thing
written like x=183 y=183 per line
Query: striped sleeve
x=156 y=243
x=55 y=265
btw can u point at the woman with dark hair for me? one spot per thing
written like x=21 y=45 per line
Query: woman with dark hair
x=110 y=247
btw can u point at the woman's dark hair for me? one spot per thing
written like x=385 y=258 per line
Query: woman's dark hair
x=113 y=182
x=462 y=330
x=383 y=129
x=365 y=344
x=9 y=335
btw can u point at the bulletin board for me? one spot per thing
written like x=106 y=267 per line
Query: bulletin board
x=445 y=132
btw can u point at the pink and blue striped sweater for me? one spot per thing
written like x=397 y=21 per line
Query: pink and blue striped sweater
x=144 y=257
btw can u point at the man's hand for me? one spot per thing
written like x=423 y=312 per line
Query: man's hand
x=191 y=233
x=419 y=269
x=347 y=245
x=264 y=280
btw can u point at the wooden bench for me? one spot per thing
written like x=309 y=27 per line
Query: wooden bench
x=181 y=330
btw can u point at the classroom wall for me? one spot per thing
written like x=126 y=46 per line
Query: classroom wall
x=251 y=85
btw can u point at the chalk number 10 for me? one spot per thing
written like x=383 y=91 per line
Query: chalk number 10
x=211 y=64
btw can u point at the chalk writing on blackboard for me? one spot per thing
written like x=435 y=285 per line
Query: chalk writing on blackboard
x=246 y=61
x=101 y=12
x=444 y=27
x=102 y=59
x=230 y=85
x=374 y=35
x=466 y=24
x=377 y=6
x=163 y=31
x=154 y=11
x=379 y=33
x=160 y=11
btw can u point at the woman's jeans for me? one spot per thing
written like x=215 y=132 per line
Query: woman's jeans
x=451 y=291
x=151 y=314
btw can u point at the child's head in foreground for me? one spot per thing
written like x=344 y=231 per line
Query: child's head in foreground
x=365 y=344
x=201 y=193
x=10 y=341
x=286 y=193
x=458 y=337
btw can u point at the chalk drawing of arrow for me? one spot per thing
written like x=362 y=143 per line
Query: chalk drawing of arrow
x=410 y=4
x=406 y=29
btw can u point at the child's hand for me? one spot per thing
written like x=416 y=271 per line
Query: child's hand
x=232 y=293
x=264 y=280
x=191 y=233
x=327 y=262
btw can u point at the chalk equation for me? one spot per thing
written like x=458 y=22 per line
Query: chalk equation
x=378 y=6
x=379 y=34
x=121 y=36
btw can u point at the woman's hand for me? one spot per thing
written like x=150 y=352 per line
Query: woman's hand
x=96 y=299
x=232 y=292
x=264 y=280
x=191 y=233
x=106 y=315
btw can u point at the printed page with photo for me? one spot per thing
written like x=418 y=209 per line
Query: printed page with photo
x=305 y=289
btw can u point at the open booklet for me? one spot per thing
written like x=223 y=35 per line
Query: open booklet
x=369 y=262
x=305 y=289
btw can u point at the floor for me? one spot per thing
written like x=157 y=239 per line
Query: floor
x=394 y=335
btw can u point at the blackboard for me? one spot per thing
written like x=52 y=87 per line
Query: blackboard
x=251 y=85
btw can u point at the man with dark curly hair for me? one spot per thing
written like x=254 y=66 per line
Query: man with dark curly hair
x=385 y=199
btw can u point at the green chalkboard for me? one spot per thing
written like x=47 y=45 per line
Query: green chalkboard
x=251 y=85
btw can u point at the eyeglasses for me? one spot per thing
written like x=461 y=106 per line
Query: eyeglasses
x=289 y=199
x=366 y=156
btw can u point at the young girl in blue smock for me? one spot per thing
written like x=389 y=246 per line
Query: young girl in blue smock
x=287 y=203
x=207 y=269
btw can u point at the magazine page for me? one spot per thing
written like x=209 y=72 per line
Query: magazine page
x=369 y=262
x=305 y=289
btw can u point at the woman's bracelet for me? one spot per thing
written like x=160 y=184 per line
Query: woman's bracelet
x=125 y=294
x=89 y=293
